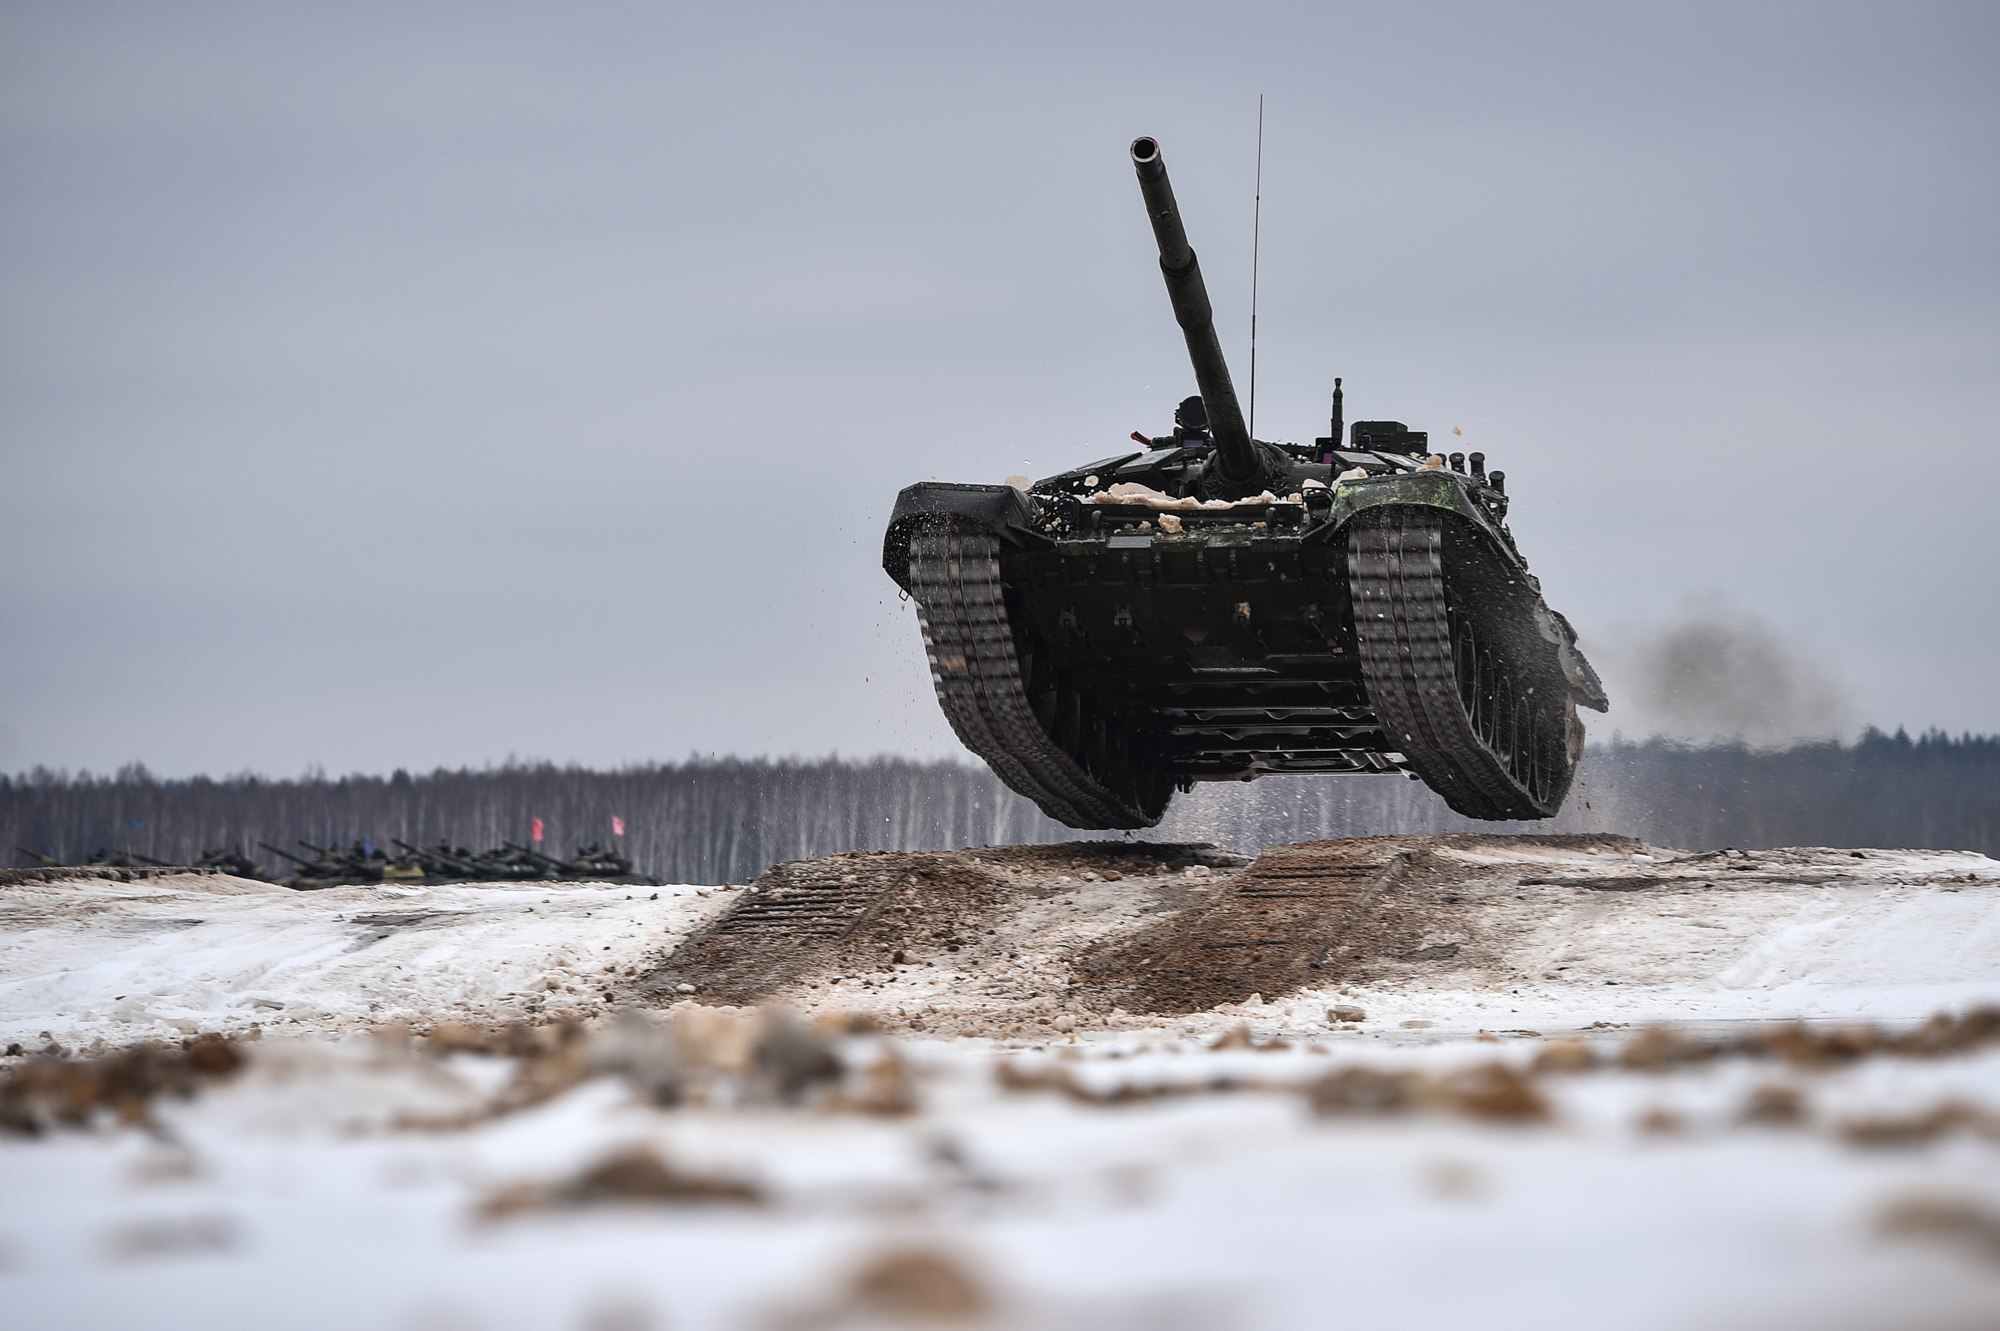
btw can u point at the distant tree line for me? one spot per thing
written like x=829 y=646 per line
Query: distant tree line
x=702 y=821
x=725 y=820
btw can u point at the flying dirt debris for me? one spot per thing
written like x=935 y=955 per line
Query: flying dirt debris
x=1217 y=608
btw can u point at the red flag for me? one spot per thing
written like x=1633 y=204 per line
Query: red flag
x=617 y=825
x=536 y=825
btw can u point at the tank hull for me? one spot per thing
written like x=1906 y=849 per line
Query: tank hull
x=1160 y=643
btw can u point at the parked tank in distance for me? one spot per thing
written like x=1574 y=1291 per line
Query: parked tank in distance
x=359 y=866
x=229 y=860
x=365 y=865
x=219 y=859
x=1212 y=607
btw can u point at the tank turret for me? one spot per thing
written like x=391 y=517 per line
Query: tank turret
x=227 y=859
x=438 y=861
x=325 y=869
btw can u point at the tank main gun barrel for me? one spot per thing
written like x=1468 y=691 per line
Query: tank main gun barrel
x=1235 y=454
x=286 y=854
x=435 y=856
x=534 y=855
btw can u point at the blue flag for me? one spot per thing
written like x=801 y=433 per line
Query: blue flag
x=135 y=824
x=368 y=848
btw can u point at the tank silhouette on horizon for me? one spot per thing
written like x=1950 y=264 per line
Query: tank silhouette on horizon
x=1213 y=607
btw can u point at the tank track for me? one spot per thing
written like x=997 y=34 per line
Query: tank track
x=976 y=668
x=1481 y=714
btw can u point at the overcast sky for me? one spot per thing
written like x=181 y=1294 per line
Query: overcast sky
x=425 y=384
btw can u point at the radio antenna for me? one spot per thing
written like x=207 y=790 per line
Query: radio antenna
x=1256 y=239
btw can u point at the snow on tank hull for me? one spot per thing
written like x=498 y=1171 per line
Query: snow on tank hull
x=1217 y=608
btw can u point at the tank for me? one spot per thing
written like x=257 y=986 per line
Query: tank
x=229 y=860
x=442 y=861
x=324 y=870
x=590 y=864
x=1211 y=607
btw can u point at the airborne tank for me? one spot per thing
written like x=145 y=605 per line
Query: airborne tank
x=1212 y=607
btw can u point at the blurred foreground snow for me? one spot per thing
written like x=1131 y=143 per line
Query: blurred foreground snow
x=544 y=1158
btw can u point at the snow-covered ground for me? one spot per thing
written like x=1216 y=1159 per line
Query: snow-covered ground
x=1504 y=1138
x=92 y=959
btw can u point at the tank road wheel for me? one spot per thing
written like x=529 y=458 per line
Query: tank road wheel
x=1459 y=679
x=1041 y=736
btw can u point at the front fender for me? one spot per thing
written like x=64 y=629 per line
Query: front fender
x=1000 y=509
x=1422 y=489
x=1450 y=491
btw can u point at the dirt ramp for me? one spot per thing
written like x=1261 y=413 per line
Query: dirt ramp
x=844 y=913
x=1012 y=941
x=864 y=919
x=1269 y=931
x=1324 y=912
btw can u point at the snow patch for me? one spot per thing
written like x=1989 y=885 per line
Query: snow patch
x=122 y=961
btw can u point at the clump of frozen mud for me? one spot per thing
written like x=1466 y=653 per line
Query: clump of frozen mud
x=53 y=1088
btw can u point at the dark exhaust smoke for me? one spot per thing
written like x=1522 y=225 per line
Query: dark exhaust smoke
x=1716 y=675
